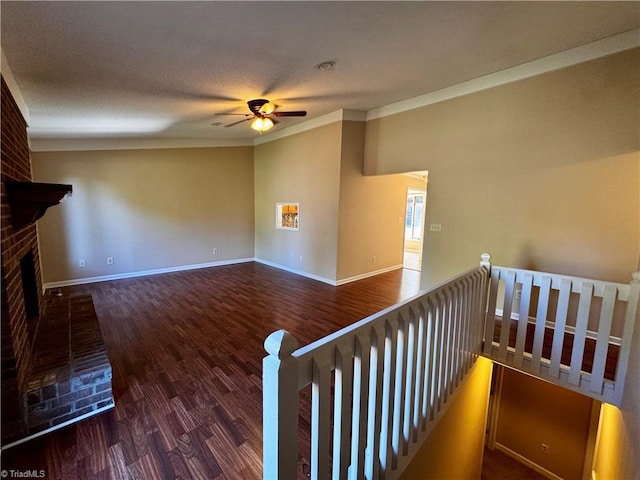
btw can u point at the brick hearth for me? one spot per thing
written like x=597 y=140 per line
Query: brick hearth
x=71 y=374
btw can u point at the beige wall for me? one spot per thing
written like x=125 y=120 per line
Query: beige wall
x=454 y=448
x=372 y=209
x=541 y=173
x=148 y=209
x=346 y=219
x=533 y=412
x=302 y=168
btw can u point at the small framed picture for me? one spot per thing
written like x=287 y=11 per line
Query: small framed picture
x=288 y=216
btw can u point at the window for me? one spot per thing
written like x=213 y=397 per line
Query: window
x=415 y=212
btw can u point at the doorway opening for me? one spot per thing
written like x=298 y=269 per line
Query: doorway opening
x=414 y=227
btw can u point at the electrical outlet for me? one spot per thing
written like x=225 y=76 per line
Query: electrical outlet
x=545 y=448
x=82 y=263
x=435 y=227
x=109 y=260
x=373 y=259
x=215 y=251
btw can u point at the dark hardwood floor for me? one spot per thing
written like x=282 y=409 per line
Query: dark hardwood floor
x=186 y=350
x=499 y=466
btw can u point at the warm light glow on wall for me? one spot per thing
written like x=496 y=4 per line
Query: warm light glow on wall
x=610 y=442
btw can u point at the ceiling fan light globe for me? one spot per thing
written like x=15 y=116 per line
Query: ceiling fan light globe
x=261 y=124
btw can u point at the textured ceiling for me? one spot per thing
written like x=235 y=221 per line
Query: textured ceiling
x=165 y=69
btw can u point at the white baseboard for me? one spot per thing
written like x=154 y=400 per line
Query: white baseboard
x=143 y=273
x=329 y=281
x=368 y=274
x=296 y=271
x=527 y=462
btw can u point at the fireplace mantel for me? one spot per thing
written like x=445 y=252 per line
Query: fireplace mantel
x=29 y=201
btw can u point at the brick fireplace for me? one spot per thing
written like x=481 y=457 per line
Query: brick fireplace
x=54 y=365
x=17 y=334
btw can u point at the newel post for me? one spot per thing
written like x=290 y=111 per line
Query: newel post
x=485 y=261
x=280 y=407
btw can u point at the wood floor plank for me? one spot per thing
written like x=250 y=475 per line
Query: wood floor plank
x=186 y=350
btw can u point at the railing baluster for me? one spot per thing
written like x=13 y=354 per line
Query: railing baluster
x=505 y=323
x=456 y=334
x=388 y=458
x=448 y=344
x=580 y=334
x=409 y=380
x=559 y=327
x=432 y=357
x=602 y=340
x=342 y=409
x=399 y=391
x=420 y=369
x=376 y=365
x=541 y=323
x=428 y=361
x=523 y=318
x=320 y=398
x=359 y=409
x=441 y=348
x=490 y=323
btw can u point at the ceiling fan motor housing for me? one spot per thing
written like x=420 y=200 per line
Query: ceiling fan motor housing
x=255 y=105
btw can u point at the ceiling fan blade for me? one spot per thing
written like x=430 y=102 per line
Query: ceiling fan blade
x=297 y=113
x=231 y=113
x=239 y=121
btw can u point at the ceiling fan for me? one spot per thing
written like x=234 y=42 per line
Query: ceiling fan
x=263 y=115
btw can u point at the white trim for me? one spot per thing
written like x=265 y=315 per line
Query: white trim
x=121 y=276
x=337 y=116
x=91 y=144
x=61 y=425
x=10 y=80
x=181 y=268
x=525 y=461
x=334 y=283
x=368 y=274
x=584 y=53
x=302 y=273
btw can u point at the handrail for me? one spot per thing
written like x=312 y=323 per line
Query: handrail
x=387 y=379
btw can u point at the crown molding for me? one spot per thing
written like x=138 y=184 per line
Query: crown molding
x=567 y=58
x=584 y=53
x=88 y=144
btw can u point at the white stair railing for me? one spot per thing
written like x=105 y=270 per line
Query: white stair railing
x=378 y=386
x=556 y=322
